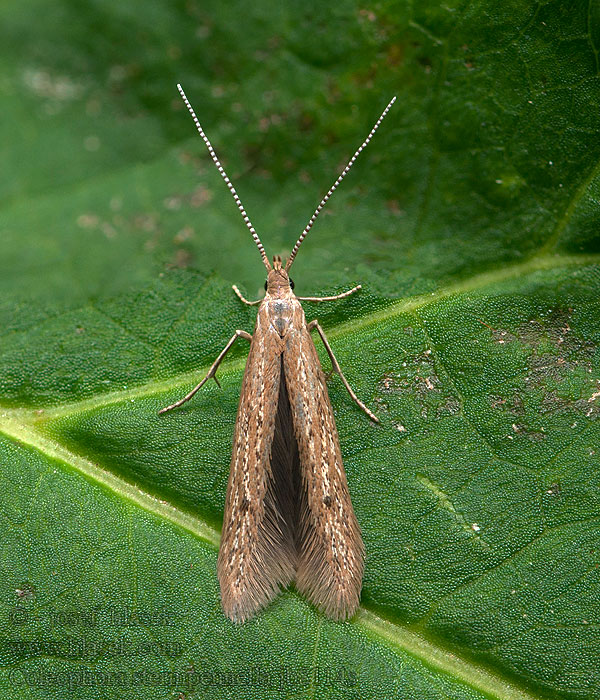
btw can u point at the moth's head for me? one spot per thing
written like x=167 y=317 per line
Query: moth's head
x=278 y=282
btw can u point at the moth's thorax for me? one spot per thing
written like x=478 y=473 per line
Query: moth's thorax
x=282 y=312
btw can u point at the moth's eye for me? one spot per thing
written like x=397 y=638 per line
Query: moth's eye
x=292 y=285
x=265 y=285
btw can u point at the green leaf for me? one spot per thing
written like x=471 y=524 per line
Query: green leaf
x=472 y=223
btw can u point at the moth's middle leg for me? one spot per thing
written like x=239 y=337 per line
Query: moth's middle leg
x=335 y=367
x=211 y=372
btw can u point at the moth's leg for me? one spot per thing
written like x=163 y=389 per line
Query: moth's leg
x=337 y=296
x=211 y=372
x=250 y=303
x=336 y=368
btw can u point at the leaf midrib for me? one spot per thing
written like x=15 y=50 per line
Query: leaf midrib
x=392 y=635
x=23 y=425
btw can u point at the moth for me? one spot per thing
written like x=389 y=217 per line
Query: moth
x=288 y=514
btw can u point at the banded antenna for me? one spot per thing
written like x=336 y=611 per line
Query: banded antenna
x=343 y=174
x=238 y=201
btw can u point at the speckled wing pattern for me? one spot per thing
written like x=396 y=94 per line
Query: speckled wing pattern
x=329 y=544
x=257 y=554
x=288 y=513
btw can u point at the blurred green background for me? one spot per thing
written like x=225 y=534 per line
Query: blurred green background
x=472 y=223
x=494 y=131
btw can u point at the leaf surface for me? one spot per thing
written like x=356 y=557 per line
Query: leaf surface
x=471 y=222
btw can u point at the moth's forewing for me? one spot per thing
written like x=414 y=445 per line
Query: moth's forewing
x=329 y=543
x=257 y=553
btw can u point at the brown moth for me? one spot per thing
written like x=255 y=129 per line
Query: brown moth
x=288 y=515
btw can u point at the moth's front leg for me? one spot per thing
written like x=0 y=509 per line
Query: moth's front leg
x=211 y=372
x=336 y=368
x=333 y=298
x=243 y=298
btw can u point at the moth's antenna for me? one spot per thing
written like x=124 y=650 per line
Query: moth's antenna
x=335 y=185
x=238 y=201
